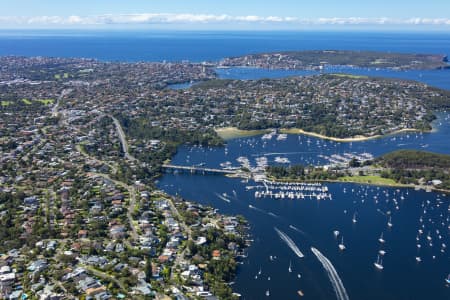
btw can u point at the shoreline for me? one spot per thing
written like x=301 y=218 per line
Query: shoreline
x=399 y=185
x=358 y=138
x=229 y=133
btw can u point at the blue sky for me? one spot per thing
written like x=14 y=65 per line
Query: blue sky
x=225 y=14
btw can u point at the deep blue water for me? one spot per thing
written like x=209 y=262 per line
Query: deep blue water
x=206 y=46
x=402 y=277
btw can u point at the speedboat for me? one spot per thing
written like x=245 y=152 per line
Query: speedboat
x=341 y=245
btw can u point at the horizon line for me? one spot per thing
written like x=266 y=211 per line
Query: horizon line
x=184 y=20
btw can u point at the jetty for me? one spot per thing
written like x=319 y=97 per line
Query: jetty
x=196 y=169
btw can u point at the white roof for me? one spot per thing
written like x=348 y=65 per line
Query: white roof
x=5 y=269
x=7 y=277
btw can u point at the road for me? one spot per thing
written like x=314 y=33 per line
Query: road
x=132 y=192
x=123 y=139
x=55 y=108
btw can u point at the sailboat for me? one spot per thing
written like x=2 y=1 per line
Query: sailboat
x=448 y=279
x=379 y=263
x=259 y=272
x=389 y=223
x=354 y=218
x=267 y=293
x=290 y=267
x=341 y=245
x=381 y=239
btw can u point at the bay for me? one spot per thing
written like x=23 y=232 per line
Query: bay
x=310 y=223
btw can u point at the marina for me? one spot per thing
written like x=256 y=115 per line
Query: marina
x=294 y=190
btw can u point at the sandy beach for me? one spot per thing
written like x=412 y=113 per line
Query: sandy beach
x=228 y=133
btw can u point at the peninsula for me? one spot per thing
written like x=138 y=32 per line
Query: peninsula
x=407 y=168
x=317 y=59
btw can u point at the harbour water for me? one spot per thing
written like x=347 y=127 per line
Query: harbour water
x=415 y=224
x=310 y=223
x=308 y=150
x=359 y=212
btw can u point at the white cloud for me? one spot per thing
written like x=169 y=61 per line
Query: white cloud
x=161 y=18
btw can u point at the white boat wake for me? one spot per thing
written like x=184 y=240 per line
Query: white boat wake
x=263 y=211
x=336 y=281
x=289 y=242
x=381 y=212
x=257 y=209
x=223 y=198
x=272 y=214
x=298 y=230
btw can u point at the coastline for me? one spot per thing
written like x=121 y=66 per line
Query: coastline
x=228 y=133
x=358 y=138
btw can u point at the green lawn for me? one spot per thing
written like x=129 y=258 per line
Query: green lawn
x=26 y=101
x=6 y=103
x=369 y=179
x=46 y=101
x=350 y=76
x=228 y=133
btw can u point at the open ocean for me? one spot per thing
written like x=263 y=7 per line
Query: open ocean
x=205 y=46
